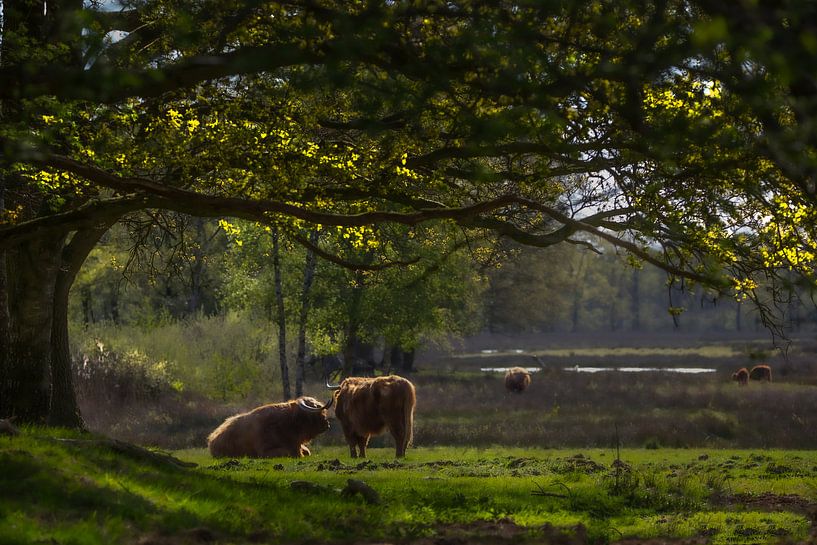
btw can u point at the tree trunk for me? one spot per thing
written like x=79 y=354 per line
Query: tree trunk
x=615 y=298
x=282 y=321
x=64 y=410
x=309 y=275
x=635 y=301
x=4 y=303
x=25 y=388
x=87 y=306
x=408 y=361
x=738 y=324
x=351 y=345
x=578 y=297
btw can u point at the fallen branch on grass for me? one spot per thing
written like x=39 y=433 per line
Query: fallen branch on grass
x=543 y=492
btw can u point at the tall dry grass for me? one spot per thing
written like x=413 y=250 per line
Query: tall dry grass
x=559 y=409
x=151 y=401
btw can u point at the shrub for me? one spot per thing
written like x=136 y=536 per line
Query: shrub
x=229 y=357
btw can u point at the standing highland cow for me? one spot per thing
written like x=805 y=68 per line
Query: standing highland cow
x=517 y=379
x=277 y=429
x=741 y=376
x=367 y=406
x=761 y=372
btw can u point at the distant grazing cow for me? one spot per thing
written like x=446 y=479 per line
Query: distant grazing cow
x=761 y=372
x=277 y=429
x=741 y=376
x=367 y=406
x=517 y=379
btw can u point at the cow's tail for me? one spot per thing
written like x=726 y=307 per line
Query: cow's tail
x=409 y=401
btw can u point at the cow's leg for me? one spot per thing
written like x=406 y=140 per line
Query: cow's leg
x=352 y=439
x=275 y=452
x=280 y=451
x=362 y=443
x=397 y=427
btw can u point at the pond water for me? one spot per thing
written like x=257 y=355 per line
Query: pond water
x=586 y=369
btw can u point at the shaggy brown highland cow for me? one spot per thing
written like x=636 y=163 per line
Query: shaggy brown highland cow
x=741 y=376
x=367 y=406
x=517 y=379
x=761 y=372
x=277 y=429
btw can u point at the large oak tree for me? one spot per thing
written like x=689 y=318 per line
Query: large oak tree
x=681 y=132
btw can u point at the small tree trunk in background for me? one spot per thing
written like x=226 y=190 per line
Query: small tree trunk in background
x=387 y=361
x=635 y=302
x=408 y=361
x=738 y=309
x=282 y=322
x=618 y=281
x=87 y=305
x=350 y=350
x=579 y=273
x=309 y=275
x=194 y=301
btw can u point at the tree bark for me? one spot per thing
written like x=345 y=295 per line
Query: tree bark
x=4 y=300
x=309 y=275
x=738 y=309
x=351 y=346
x=408 y=361
x=635 y=301
x=282 y=321
x=25 y=389
x=64 y=410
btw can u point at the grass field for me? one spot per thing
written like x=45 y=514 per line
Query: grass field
x=76 y=489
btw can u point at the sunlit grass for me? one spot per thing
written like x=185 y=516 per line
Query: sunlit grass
x=87 y=494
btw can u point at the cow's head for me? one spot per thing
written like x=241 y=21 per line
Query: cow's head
x=314 y=415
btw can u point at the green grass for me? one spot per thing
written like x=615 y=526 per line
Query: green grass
x=85 y=493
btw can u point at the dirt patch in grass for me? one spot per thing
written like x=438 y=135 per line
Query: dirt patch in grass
x=773 y=503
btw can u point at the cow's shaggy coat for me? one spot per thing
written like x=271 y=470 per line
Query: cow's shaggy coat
x=741 y=376
x=761 y=372
x=517 y=379
x=277 y=429
x=367 y=406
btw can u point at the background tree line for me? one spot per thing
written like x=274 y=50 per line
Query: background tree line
x=202 y=303
x=504 y=288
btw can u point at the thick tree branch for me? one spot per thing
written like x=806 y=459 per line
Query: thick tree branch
x=156 y=195
x=106 y=84
x=88 y=216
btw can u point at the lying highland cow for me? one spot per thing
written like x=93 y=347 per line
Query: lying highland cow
x=517 y=379
x=761 y=372
x=277 y=429
x=367 y=406
x=741 y=376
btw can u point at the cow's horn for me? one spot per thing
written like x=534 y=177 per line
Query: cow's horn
x=332 y=386
x=329 y=403
x=308 y=407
